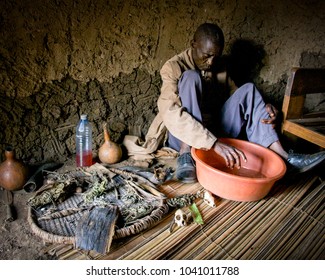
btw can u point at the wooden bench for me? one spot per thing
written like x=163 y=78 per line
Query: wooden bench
x=302 y=84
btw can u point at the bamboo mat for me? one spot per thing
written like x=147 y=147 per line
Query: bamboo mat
x=287 y=224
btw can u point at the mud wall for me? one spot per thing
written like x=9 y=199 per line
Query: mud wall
x=61 y=58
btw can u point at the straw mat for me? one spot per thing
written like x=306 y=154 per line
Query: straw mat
x=287 y=224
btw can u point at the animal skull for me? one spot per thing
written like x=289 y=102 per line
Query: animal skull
x=180 y=218
x=208 y=198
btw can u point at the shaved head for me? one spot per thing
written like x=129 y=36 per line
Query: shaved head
x=211 y=32
x=207 y=46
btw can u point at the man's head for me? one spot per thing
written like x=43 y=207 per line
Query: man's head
x=207 y=45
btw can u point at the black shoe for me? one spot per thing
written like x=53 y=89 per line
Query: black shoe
x=299 y=163
x=186 y=170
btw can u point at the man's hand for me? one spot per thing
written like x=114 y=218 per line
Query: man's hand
x=231 y=155
x=273 y=113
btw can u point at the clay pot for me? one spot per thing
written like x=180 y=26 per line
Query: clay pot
x=13 y=173
x=109 y=152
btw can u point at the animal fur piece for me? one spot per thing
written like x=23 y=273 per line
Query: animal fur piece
x=182 y=200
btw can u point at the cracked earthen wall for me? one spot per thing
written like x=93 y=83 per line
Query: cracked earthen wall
x=61 y=58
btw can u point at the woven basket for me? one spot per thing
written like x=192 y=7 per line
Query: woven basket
x=63 y=229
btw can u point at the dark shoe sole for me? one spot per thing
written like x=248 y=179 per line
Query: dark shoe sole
x=187 y=180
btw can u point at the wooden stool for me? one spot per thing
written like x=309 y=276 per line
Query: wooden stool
x=302 y=84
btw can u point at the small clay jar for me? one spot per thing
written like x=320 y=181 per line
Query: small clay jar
x=13 y=173
x=109 y=152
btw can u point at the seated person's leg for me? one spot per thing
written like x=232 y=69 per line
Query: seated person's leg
x=190 y=91
x=246 y=108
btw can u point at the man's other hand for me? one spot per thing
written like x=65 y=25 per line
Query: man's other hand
x=273 y=113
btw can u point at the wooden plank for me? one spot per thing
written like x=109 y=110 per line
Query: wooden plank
x=305 y=133
x=306 y=81
x=316 y=114
x=95 y=229
x=310 y=121
x=292 y=106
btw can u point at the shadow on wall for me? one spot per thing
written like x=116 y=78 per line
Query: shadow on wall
x=244 y=61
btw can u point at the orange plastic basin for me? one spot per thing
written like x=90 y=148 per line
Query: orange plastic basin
x=251 y=182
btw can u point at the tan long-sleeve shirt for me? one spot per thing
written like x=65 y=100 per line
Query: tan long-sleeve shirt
x=179 y=122
x=172 y=116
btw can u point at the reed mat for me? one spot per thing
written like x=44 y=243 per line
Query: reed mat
x=287 y=224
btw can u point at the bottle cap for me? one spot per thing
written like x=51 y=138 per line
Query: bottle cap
x=83 y=117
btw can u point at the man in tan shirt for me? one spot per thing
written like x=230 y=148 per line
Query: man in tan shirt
x=192 y=99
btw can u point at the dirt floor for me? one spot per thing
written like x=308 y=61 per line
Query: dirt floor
x=17 y=241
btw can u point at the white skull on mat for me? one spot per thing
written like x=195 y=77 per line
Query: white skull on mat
x=180 y=218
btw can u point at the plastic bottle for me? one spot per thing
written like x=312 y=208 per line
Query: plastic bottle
x=84 y=155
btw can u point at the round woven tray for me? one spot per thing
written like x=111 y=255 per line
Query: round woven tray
x=62 y=228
